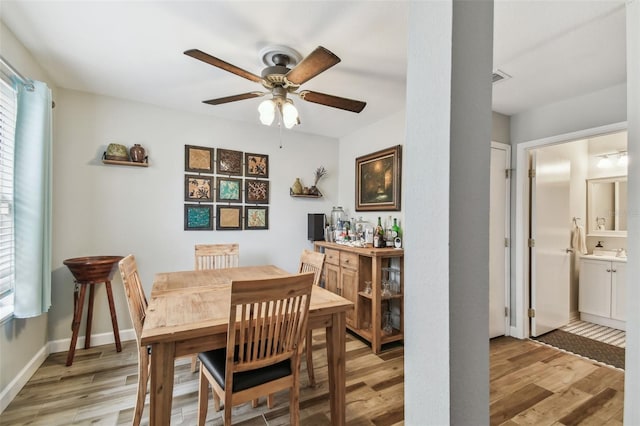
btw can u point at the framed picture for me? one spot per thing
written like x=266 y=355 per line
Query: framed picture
x=256 y=217
x=228 y=190
x=228 y=218
x=198 y=217
x=198 y=188
x=198 y=159
x=378 y=180
x=229 y=162
x=256 y=165
x=256 y=191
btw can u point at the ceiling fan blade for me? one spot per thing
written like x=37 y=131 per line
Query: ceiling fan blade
x=332 y=101
x=212 y=60
x=234 y=98
x=316 y=62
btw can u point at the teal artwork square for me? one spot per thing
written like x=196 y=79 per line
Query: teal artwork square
x=228 y=190
x=198 y=217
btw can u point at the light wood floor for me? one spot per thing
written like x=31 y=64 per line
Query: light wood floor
x=530 y=384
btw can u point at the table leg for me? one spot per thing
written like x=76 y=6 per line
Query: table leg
x=336 y=354
x=87 y=338
x=161 y=392
x=75 y=325
x=114 y=319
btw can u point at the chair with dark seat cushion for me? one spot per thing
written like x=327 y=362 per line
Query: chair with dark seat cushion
x=267 y=326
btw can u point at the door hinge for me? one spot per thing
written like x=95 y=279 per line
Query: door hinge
x=506 y=311
x=532 y=173
x=531 y=313
x=532 y=242
x=506 y=242
x=507 y=173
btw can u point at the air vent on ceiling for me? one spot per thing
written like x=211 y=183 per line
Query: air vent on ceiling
x=498 y=76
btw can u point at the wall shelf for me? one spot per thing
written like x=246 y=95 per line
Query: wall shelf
x=125 y=163
x=318 y=195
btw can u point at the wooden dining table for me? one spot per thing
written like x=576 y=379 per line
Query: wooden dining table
x=188 y=313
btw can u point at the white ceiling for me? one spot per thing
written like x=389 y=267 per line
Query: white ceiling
x=133 y=50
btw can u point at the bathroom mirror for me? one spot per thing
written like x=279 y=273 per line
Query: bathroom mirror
x=607 y=206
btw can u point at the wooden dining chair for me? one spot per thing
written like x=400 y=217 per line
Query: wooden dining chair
x=267 y=326
x=216 y=256
x=137 y=302
x=311 y=261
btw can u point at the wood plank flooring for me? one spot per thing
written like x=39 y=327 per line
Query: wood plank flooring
x=530 y=384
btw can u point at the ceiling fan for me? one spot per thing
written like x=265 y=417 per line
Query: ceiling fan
x=286 y=71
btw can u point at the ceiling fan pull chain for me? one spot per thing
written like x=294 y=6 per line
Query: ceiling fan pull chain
x=280 y=129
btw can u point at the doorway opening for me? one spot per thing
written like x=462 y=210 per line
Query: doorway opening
x=522 y=290
x=574 y=268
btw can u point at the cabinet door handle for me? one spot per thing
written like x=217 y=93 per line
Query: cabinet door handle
x=613 y=270
x=608 y=270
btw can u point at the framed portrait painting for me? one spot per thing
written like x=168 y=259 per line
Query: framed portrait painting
x=198 y=159
x=256 y=165
x=198 y=188
x=198 y=217
x=256 y=217
x=228 y=218
x=378 y=180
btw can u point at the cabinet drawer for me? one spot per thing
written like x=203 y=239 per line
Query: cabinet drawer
x=332 y=256
x=349 y=260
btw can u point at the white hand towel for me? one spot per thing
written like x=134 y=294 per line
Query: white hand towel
x=578 y=241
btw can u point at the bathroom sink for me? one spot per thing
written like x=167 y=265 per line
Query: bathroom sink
x=607 y=253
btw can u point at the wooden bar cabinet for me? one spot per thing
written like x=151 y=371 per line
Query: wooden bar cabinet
x=378 y=314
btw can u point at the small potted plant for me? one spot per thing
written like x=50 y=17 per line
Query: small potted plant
x=320 y=172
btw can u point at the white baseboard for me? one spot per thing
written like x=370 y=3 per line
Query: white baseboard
x=21 y=379
x=62 y=345
x=8 y=393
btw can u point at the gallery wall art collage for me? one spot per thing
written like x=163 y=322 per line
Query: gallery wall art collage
x=225 y=189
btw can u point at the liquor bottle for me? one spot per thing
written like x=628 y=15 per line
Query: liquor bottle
x=388 y=233
x=395 y=229
x=395 y=232
x=378 y=236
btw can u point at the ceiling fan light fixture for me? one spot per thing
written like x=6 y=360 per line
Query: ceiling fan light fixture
x=267 y=110
x=289 y=114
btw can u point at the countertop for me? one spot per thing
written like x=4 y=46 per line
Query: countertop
x=603 y=257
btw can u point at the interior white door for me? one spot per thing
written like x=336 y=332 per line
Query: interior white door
x=498 y=235
x=550 y=231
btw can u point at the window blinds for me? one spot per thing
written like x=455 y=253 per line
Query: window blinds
x=7 y=137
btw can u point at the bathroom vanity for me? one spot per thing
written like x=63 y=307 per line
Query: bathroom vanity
x=602 y=297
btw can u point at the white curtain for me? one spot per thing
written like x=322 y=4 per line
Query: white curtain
x=32 y=193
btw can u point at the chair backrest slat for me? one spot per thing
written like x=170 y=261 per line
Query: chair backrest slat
x=134 y=290
x=312 y=261
x=216 y=256
x=268 y=320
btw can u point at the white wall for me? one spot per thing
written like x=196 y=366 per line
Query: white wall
x=587 y=111
x=632 y=357
x=447 y=160
x=605 y=107
x=383 y=134
x=104 y=209
x=500 y=128
x=21 y=340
